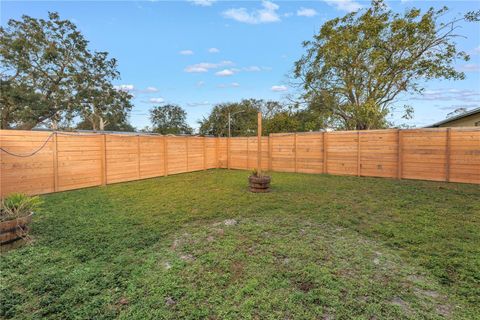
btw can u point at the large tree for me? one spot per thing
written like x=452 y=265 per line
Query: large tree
x=356 y=67
x=243 y=117
x=169 y=119
x=101 y=103
x=19 y=104
x=50 y=75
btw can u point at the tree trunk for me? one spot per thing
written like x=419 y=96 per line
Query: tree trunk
x=102 y=124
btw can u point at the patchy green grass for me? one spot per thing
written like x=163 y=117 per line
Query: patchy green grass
x=324 y=247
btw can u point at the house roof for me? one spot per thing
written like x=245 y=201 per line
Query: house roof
x=459 y=116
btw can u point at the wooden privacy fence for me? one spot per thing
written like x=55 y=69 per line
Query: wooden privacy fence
x=71 y=161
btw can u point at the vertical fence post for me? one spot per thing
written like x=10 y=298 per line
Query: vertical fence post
x=204 y=153
x=138 y=156
x=216 y=152
x=55 y=162
x=228 y=153
x=447 y=154
x=270 y=148
x=400 y=155
x=359 y=166
x=325 y=146
x=103 y=146
x=295 y=150
x=259 y=143
x=165 y=156
x=186 y=146
x=248 y=154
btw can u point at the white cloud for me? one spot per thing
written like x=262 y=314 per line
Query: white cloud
x=196 y=68
x=225 y=73
x=345 y=5
x=476 y=50
x=252 y=69
x=202 y=3
x=156 y=100
x=279 y=88
x=186 y=52
x=265 y=15
x=151 y=90
x=306 y=12
x=200 y=83
x=213 y=50
x=457 y=106
x=198 y=104
x=125 y=87
x=470 y=67
x=229 y=85
x=205 y=66
x=463 y=95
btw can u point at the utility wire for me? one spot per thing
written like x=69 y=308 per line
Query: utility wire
x=71 y=134
x=29 y=154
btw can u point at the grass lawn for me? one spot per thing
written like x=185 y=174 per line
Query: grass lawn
x=317 y=247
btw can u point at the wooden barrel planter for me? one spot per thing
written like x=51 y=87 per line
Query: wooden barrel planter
x=13 y=230
x=259 y=184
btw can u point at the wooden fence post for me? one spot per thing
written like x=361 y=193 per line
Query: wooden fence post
x=228 y=153
x=259 y=143
x=216 y=152
x=359 y=166
x=55 y=162
x=138 y=156
x=400 y=155
x=325 y=146
x=295 y=150
x=204 y=153
x=165 y=156
x=186 y=146
x=248 y=154
x=103 y=145
x=270 y=149
x=447 y=154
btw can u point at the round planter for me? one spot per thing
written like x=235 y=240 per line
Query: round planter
x=12 y=230
x=259 y=184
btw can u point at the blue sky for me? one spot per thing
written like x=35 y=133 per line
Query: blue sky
x=198 y=53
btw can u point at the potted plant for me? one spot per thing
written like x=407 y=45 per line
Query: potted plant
x=259 y=182
x=16 y=212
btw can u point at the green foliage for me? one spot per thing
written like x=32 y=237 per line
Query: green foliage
x=18 y=205
x=169 y=119
x=19 y=104
x=101 y=104
x=316 y=246
x=355 y=68
x=49 y=76
x=276 y=117
x=243 y=119
x=114 y=124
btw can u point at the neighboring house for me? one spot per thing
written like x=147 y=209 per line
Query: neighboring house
x=467 y=119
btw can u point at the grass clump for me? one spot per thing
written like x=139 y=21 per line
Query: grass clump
x=18 y=205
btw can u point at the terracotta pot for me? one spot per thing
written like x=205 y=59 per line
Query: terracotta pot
x=259 y=184
x=12 y=230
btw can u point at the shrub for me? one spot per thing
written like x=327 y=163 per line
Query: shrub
x=18 y=205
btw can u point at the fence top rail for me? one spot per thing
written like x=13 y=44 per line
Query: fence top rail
x=12 y=132
x=83 y=133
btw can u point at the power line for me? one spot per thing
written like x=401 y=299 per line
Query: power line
x=30 y=154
